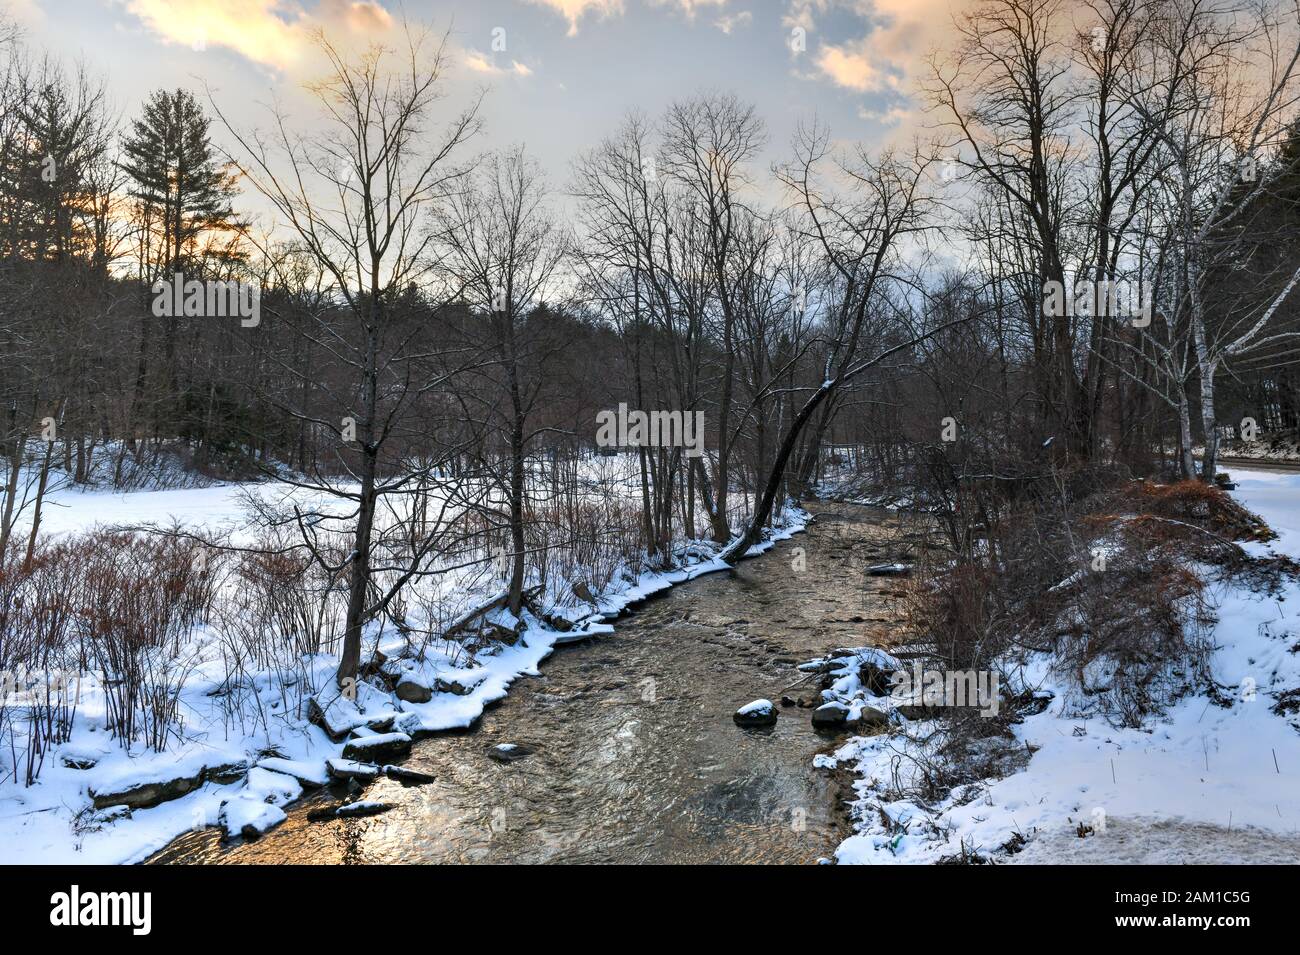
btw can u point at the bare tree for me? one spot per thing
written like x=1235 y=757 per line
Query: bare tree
x=358 y=197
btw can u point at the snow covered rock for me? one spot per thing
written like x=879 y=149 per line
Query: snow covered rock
x=309 y=773
x=272 y=787
x=335 y=714
x=452 y=686
x=411 y=690
x=137 y=792
x=146 y=794
x=351 y=769
x=378 y=748
x=889 y=570
x=249 y=817
x=758 y=713
x=830 y=716
x=350 y=810
x=510 y=752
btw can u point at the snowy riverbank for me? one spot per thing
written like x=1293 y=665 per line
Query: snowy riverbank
x=237 y=766
x=1229 y=767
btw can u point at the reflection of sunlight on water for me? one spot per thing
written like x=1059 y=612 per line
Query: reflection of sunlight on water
x=622 y=776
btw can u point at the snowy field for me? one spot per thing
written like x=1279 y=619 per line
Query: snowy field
x=1204 y=784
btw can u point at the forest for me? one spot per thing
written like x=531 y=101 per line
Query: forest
x=454 y=408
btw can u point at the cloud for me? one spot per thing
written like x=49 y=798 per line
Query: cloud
x=848 y=67
x=890 y=51
x=360 y=17
x=728 y=23
x=893 y=116
x=575 y=10
x=688 y=7
x=274 y=33
x=481 y=63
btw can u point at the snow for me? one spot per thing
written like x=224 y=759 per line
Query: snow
x=755 y=708
x=1202 y=783
x=54 y=821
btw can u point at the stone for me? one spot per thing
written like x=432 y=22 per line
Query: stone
x=409 y=690
x=365 y=808
x=830 y=716
x=310 y=774
x=412 y=777
x=872 y=717
x=248 y=817
x=451 y=686
x=337 y=716
x=510 y=752
x=144 y=795
x=877 y=679
x=351 y=769
x=378 y=748
x=889 y=570
x=225 y=773
x=348 y=810
x=757 y=713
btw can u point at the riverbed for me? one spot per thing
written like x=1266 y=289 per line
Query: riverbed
x=636 y=758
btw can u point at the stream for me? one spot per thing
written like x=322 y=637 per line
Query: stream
x=637 y=758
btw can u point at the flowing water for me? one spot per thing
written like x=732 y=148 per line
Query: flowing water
x=637 y=756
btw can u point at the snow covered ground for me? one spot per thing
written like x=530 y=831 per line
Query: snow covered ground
x=242 y=766
x=1206 y=783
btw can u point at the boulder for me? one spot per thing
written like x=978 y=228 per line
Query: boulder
x=362 y=808
x=510 y=752
x=225 y=773
x=351 y=769
x=451 y=686
x=144 y=795
x=348 y=810
x=916 y=711
x=877 y=679
x=758 y=713
x=381 y=747
x=889 y=570
x=311 y=774
x=872 y=717
x=411 y=777
x=336 y=715
x=409 y=690
x=830 y=716
x=249 y=817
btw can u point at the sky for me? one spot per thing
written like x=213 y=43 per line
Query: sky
x=559 y=74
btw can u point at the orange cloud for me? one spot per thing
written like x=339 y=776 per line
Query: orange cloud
x=481 y=63
x=898 y=35
x=271 y=32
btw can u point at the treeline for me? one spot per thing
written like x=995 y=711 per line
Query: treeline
x=426 y=315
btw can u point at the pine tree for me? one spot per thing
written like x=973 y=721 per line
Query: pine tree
x=182 y=188
x=183 y=194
